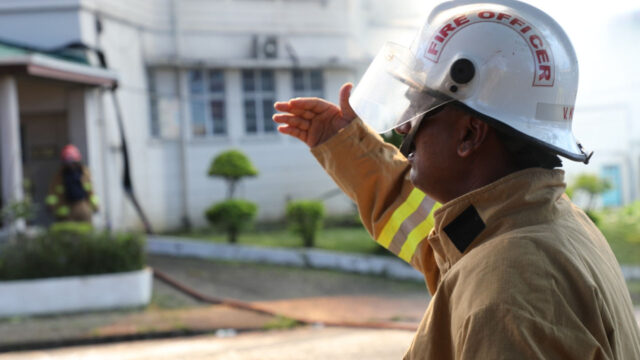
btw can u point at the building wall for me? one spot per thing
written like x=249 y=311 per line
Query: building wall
x=213 y=35
x=607 y=115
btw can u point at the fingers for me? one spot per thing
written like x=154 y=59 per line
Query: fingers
x=295 y=132
x=292 y=120
x=282 y=106
x=347 y=111
x=315 y=105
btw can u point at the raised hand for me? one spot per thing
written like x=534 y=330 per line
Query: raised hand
x=314 y=120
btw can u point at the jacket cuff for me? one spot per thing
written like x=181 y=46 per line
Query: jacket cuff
x=355 y=135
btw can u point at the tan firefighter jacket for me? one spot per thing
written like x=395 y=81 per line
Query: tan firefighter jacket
x=62 y=208
x=515 y=269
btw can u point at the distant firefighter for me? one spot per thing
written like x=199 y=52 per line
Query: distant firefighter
x=71 y=195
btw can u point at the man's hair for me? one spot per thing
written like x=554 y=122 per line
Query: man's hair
x=525 y=152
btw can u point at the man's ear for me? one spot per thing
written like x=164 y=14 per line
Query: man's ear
x=474 y=132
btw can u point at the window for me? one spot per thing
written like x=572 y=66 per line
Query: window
x=164 y=109
x=612 y=197
x=208 y=114
x=259 y=90
x=153 y=105
x=308 y=83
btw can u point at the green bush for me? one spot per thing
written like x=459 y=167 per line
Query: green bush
x=72 y=227
x=621 y=227
x=232 y=165
x=232 y=216
x=306 y=218
x=68 y=253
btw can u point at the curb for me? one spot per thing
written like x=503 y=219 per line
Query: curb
x=310 y=258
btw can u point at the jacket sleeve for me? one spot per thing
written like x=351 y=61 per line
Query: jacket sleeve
x=56 y=200
x=375 y=175
x=88 y=187
x=502 y=332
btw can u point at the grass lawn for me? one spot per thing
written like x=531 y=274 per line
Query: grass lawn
x=344 y=239
x=627 y=253
x=357 y=240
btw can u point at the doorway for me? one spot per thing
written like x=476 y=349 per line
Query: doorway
x=43 y=136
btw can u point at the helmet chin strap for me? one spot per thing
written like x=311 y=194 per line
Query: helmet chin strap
x=407 y=142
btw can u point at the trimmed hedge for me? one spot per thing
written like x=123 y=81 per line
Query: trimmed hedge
x=69 y=253
x=232 y=216
x=306 y=218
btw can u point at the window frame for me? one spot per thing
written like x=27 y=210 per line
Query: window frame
x=258 y=96
x=307 y=90
x=205 y=96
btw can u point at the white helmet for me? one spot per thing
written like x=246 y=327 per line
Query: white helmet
x=505 y=60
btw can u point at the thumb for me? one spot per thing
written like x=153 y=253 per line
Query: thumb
x=345 y=107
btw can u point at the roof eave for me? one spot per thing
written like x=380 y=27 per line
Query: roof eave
x=47 y=67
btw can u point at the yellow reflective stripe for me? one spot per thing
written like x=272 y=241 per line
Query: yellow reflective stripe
x=417 y=235
x=399 y=216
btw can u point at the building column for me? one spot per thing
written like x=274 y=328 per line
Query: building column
x=12 y=190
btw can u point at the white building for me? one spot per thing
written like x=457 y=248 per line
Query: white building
x=194 y=78
x=607 y=116
x=198 y=77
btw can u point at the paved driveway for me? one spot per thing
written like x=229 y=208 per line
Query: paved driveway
x=303 y=343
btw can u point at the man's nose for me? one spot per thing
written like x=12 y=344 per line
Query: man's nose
x=404 y=128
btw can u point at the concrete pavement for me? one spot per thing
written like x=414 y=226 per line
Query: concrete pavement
x=307 y=343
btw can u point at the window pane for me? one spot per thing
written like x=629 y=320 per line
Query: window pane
x=267 y=112
x=298 y=80
x=613 y=196
x=196 y=82
x=267 y=80
x=248 y=80
x=217 y=116
x=198 y=118
x=251 y=125
x=216 y=81
x=316 y=80
x=217 y=109
x=155 y=124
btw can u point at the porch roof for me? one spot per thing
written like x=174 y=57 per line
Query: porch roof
x=64 y=66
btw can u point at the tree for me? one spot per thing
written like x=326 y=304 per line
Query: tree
x=232 y=216
x=306 y=218
x=232 y=165
x=393 y=138
x=592 y=185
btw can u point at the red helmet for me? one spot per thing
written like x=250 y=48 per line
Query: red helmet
x=70 y=153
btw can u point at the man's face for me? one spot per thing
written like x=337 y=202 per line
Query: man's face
x=433 y=157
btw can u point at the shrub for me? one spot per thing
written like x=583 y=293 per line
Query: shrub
x=68 y=253
x=71 y=227
x=621 y=227
x=232 y=165
x=593 y=186
x=306 y=218
x=232 y=216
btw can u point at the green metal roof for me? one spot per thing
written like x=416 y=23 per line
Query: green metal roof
x=9 y=49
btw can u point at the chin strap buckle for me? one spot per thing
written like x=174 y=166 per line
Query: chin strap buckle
x=587 y=155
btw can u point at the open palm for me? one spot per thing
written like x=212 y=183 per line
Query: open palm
x=314 y=120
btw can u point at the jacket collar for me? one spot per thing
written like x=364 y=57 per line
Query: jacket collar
x=520 y=199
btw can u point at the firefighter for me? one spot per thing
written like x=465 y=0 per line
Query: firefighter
x=71 y=196
x=474 y=199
